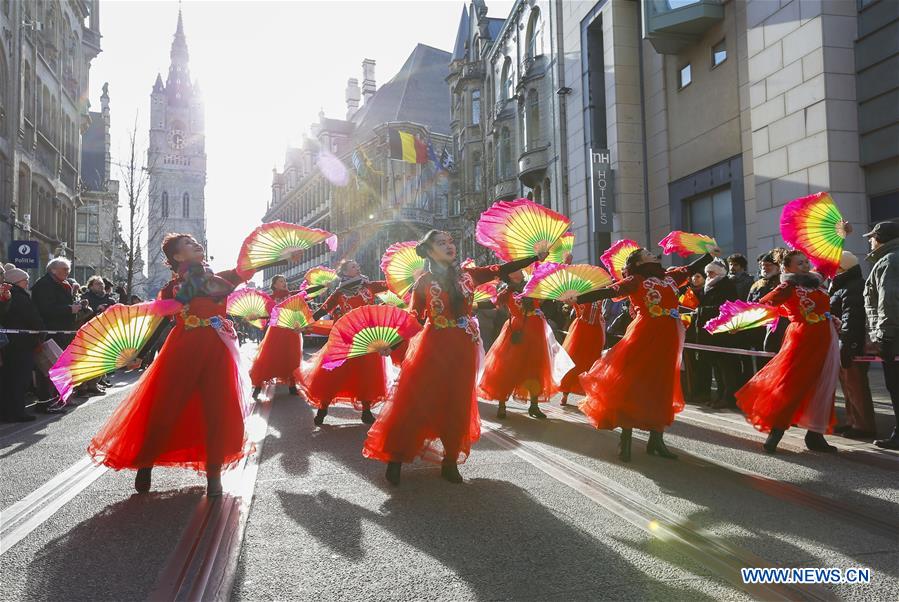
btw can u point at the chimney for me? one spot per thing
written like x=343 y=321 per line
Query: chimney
x=368 y=79
x=353 y=96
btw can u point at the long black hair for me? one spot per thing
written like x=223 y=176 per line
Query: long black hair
x=448 y=278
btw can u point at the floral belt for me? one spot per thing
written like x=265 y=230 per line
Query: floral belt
x=217 y=322
x=814 y=317
x=657 y=311
x=465 y=323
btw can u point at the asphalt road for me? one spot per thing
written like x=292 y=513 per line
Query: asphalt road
x=546 y=513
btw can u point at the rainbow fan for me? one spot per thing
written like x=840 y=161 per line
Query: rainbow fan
x=485 y=292
x=686 y=244
x=320 y=276
x=292 y=313
x=559 y=252
x=249 y=304
x=260 y=323
x=813 y=224
x=110 y=341
x=390 y=298
x=274 y=242
x=616 y=257
x=735 y=316
x=367 y=329
x=519 y=229
x=402 y=266
x=560 y=282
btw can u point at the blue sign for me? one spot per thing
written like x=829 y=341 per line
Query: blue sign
x=23 y=253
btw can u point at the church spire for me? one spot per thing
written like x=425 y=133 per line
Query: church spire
x=178 y=83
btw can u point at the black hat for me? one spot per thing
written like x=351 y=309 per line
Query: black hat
x=884 y=232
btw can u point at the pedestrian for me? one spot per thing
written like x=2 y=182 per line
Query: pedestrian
x=718 y=289
x=737 y=266
x=797 y=387
x=97 y=297
x=17 y=355
x=847 y=303
x=636 y=384
x=882 y=307
x=433 y=412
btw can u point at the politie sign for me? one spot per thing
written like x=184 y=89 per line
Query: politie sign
x=23 y=253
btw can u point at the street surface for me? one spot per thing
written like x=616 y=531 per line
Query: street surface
x=546 y=513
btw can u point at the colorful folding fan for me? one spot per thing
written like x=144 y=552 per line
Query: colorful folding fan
x=367 y=329
x=390 y=298
x=686 y=244
x=277 y=241
x=320 y=276
x=260 y=323
x=402 y=266
x=560 y=251
x=485 y=292
x=519 y=229
x=813 y=224
x=249 y=304
x=616 y=256
x=561 y=282
x=292 y=313
x=735 y=316
x=109 y=341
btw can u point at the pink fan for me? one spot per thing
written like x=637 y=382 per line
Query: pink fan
x=519 y=229
x=368 y=329
x=735 y=316
x=617 y=255
x=686 y=244
x=485 y=292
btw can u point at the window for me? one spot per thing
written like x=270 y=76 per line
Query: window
x=165 y=204
x=88 y=223
x=534 y=37
x=719 y=53
x=505 y=92
x=476 y=107
x=532 y=124
x=476 y=172
x=185 y=205
x=712 y=214
x=685 y=76
x=505 y=154
x=547 y=196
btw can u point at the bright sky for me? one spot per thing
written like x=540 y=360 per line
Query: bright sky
x=265 y=70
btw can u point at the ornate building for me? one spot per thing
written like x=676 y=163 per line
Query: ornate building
x=176 y=161
x=44 y=66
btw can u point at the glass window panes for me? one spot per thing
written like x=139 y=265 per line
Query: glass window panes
x=87 y=226
x=719 y=53
x=476 y=107
x=685 y=76
x=712 y=214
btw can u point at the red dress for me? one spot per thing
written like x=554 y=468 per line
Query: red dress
x=636 y=383
x=280 y=353
x=584 y=343
x=523 y=368
x=434 y=410
x=359 y=379
x=797 y=387
x=183 y=411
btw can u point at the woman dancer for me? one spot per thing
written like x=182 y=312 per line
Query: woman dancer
x=798 y=385
x=181 y=413
x=584 y=343
x=281 y=350
x=361 y=381
x=434 y=411
x=636 y=384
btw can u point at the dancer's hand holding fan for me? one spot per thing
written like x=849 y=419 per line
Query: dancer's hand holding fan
x=368 y=329
x=292 y=313
x=813 y=224
x=275 y=242
x=108 y=342
x=561 y=251
x=318 y=277
x=485 y=292
x=736 y=316
x=560 y=282
x=520 y=229
x=250 y=304
x=402 y=266
x=391 y=298
x=687 y=243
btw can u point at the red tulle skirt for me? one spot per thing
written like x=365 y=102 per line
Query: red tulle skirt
x=359 y=379
x=796 y=387
x=279 y=356
x=184 y=411
x=522 y=369
x=434 y=412
x=584 y=344
x=636 y=383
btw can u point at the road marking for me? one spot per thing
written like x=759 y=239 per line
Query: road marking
x=26 y=515
x=705 y=547
x=204 y=563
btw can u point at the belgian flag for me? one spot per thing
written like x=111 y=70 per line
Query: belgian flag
x=406 y=147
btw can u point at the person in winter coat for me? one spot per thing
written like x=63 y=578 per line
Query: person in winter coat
x=847 y=303
x=18 y=354
x=737 y=266
x=717 y=290
x=96 y=295
x=882 y=307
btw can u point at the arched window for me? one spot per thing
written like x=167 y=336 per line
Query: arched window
x=505 y=153
x=477 y=173
x=165 y=204
x=533 y=120
x=534 y=35
x=185 y=205
x=505 y=91
x=476 y=107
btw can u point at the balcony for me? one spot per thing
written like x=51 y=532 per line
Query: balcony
x=473 y=70
x=532 y=165
x=532 y=67
x=672 y=25
x=504 y=109
x=505 y=190
x=414 y=214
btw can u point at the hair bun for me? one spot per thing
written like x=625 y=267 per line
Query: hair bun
x=421 y=250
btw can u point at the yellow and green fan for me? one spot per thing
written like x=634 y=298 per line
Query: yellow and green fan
x=320 y=276
x=402 y=266
x=485 y=292
x=258 y=323
x=561 y=251
x=519 y=229
x=292 y=313
x=687 y=243
x=813 y=224
x=109 y=341
x=559 y=282
x=274 y=242
x=616 y=256
x=390 y=298
x=736 y=316
x=249 y=304
x=368 y=329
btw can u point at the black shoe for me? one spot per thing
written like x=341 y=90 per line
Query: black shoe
x=817 y=442
x=624 y=445
x=501 y=411
x=368 y=417
x=143 y=480
x=450 y=472
x=534 y=412
x=891 y=443
x=564 y=400
x=393 y=473
x=773 y=439
x=292 y=390
x=656 y=446
x=214 y=485
x=256 y=392
x=320 y=416
x=852 y=433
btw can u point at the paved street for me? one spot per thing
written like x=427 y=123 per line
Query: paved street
x=546 y=513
